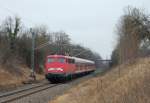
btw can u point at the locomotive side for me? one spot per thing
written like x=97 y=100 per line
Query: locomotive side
x=60 y=67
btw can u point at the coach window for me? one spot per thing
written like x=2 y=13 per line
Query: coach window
x=73 y=61
x=78 y=66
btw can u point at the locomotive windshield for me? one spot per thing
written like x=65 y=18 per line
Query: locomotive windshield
x=60 y=60
x=50 y=60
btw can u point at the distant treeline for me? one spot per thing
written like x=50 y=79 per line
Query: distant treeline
x=133 y=32
x=16 y=44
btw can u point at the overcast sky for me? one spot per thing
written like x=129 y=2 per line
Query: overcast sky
x=90 y=23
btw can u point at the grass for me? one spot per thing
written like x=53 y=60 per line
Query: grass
x=128 y=83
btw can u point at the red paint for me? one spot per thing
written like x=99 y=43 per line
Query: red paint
x=59 y=64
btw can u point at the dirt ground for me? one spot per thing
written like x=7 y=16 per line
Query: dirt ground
x=13 y=79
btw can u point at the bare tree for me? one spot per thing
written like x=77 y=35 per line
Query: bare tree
x=12 y=27
x=132 y=29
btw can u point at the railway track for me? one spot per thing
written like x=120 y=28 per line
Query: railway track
x=18 y=94
x=51 y=89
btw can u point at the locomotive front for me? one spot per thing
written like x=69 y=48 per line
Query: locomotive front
x=55 y=66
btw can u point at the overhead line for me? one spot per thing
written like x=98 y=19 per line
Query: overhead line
x=42 y=45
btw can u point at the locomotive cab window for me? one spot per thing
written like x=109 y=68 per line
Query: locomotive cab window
x=50 y=60
x=61 y=60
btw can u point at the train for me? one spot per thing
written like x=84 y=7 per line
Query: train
x=61 y=67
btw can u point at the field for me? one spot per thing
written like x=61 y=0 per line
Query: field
x=127 y=83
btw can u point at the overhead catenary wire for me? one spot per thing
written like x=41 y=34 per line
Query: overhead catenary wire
x=48 y=43
x=80 y=53
x=30 y=21
x=43 y=45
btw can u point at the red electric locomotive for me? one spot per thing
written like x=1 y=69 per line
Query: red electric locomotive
x=60 y=67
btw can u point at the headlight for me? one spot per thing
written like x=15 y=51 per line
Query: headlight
x=49 y=69
x=59 y=69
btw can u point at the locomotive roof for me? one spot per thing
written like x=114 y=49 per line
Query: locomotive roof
x=77 y=60
x=80 y=60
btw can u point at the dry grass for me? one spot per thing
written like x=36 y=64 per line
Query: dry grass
x=130 y=84
x=14 y=79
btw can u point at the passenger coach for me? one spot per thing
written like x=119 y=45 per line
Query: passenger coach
x=60 y=67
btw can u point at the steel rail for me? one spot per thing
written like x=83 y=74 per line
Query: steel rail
x=21 y=90
x=24 y=93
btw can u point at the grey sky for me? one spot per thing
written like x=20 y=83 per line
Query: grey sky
x=88 y=22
